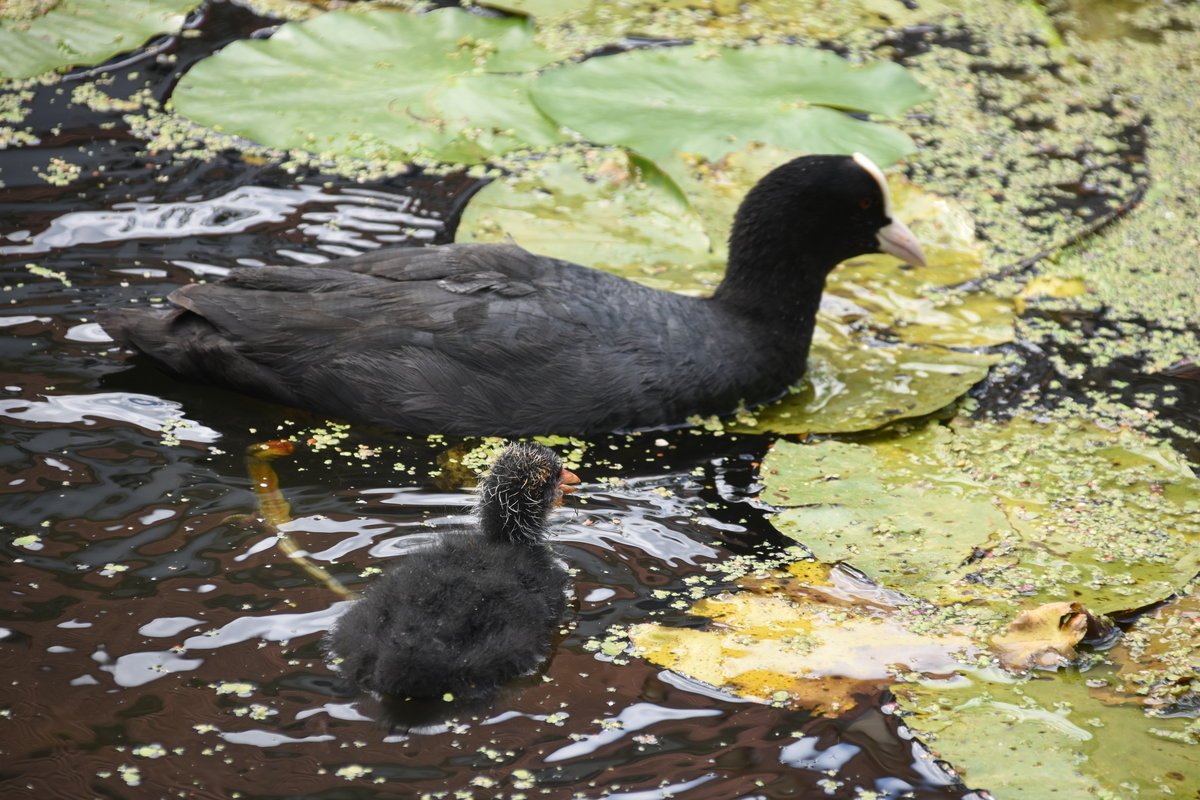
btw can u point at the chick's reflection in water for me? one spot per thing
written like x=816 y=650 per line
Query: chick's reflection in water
x=456 y=620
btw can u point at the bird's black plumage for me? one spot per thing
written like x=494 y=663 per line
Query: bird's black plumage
x=490 y=339
x=474 y=609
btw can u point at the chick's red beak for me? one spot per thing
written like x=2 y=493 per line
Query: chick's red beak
x=568 y=481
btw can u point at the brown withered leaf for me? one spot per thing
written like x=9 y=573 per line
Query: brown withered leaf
x=1046 y=636
x=1159 y=659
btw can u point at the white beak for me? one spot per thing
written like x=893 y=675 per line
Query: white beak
x=897 y=240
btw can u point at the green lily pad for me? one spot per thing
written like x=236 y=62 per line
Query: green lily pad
x=541 y=9
x=69 y=33
x=603 y=208
x=454 y=87
x=584 y=26
x=384 y=84
x=1006 y=516
x=1048 y=738
x=701 y=100
x=884 y=347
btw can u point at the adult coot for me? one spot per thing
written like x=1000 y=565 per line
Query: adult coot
x=473 y=610
x=490 y=339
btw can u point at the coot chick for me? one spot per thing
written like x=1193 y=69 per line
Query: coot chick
x=489 y=339
x=473 y=610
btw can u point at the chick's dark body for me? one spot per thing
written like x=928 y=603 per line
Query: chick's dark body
x=459 y=617
x=471 y=610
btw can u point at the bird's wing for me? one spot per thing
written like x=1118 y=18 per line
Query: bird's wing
x=457 y=297
x=396 y=337
x=462 y=268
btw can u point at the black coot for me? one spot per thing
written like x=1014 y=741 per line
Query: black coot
x=476 y=608
x=489 y=339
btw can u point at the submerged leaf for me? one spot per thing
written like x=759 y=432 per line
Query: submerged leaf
x=1159 y=659
x=1011 y=515
x=82 y=32
x=695 y=99
x=382 y=84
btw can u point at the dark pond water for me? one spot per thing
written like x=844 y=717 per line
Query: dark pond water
x=157 y=642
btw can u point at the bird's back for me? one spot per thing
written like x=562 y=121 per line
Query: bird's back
x=463 y=339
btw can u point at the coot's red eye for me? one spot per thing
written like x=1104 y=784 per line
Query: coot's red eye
x=866 y=202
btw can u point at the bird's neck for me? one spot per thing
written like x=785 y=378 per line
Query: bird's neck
x=774 y=276
x=516 y=522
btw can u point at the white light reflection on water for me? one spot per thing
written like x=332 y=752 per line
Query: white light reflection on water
x=142 y=410
x=805 y=754
x=269 y=738
x=271 y=628
x=347 y=712
x=137 y=669
x=633 y=718
x=235 y=211
x=690 y=684
x=661 y=792
x=89 y=332
x=20 y=319
x=168 y=626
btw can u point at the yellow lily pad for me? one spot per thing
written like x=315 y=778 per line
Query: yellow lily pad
x=809 y=641
x=1048 y=286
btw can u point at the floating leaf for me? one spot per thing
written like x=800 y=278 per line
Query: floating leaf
x=602 y=208
x=854 y=384
x=809 y=637
x=82 y=32
x=1046 y=636
x=541 y=9
x=576 y=26
x=1047 y=738
x=1048 y=286
x=382 y=84
x=697 y=99
x=623 y=215
x=1013 y=515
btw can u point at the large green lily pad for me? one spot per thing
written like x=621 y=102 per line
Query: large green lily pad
x=710 y=102
x=455 y=87
x=69 y=33
x=1048 y=738
x=1004 y=515
x=890 y=342
x=386 y=85
x=602 y=208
